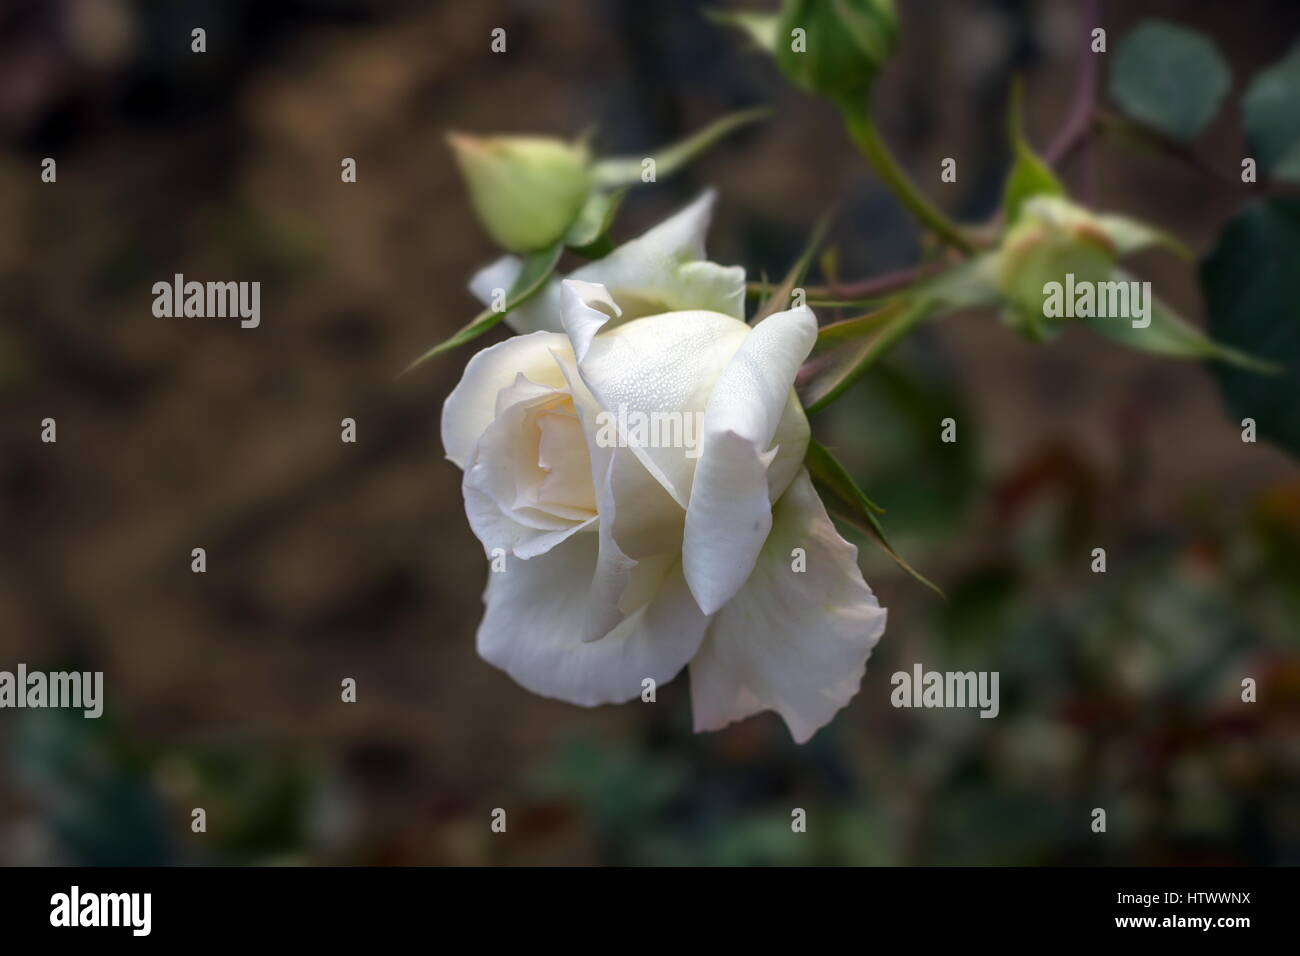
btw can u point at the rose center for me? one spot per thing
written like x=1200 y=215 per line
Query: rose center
x=562 y=479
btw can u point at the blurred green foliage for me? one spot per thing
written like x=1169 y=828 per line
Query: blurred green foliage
x=1271 y=119
x=1118 y=690
x=1169 y=77
x=1252 y=288
x=97 y=798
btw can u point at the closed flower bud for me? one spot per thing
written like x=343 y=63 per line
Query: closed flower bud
x=843 y=47
x=1051 y=239
x=525 y=190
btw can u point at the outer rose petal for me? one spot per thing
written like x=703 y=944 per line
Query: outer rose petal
x=471 y=406
x=791 y=444
x=496 y=514
x=729 y=513
x=638 y=519
x=647 y=521
x=663 y=363
x=541 y=313
x=532 y=629
x=500 y=274
x=664 y=270
x=792 y=642
x=613 y=568
x=496 y=529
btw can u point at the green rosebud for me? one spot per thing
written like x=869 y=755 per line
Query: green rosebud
x=835 y=48
x=1052 y=238
x=526 y=190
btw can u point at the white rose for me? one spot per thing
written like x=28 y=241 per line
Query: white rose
x=626 y=563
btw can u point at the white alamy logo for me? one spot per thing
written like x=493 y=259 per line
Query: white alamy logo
x=75 y=908
x=1098 y=300
x=630 y=428
x=80 y=690
x=209 y=300
x=922 y=688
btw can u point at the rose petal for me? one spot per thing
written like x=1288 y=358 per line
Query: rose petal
x=791 y=444
x=471 y=406
x=792 y=642
x=499 y=275
x=655 y=365
x=663 y=270
x=535 y=613
x=498 y=514
x=497 y=529
x=613 y=568
x=729 y=512
x=647 y=521
x=506 y=456
x=632 y=508
x=562 y=455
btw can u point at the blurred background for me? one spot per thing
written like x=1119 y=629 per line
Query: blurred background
x=328 y=560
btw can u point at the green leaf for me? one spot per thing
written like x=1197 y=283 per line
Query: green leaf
x=1170 y=78
x=1030 y=176
x=845 y=350
x=88 y=784
x=1288 y=168
x=627 y=170
x=758 y=26
x=1252 y=288
x=780 y=297
x=537 y=268
x=594 y=219
x=844 y=498
x=1170 y=335
x=1271 y=117
x=929 y=485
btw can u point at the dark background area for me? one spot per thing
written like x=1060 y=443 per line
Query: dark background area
x=328 y=560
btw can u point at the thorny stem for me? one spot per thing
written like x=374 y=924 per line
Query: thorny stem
x=875 y=286
x=1086 y=118
x=1072 y=136
x=1073 y=133
x=1107 y=122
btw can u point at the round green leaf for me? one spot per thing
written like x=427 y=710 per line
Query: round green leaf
x=1169 y=77
x=1271 y=118
x=1252 y=288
